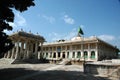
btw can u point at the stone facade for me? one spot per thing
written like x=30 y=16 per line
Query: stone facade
x=79 y=49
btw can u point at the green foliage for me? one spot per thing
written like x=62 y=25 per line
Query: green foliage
x=7 y=15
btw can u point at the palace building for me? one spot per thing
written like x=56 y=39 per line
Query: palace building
x=79 y=49
x=76 y=50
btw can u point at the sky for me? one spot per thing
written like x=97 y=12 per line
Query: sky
x=60 y=19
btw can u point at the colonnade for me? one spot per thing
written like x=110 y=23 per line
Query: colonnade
x=24 y=50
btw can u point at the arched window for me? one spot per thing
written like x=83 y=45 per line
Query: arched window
x=43 y=55
x=93 y=54
x=50 y=54
x=58 y=54
x=78 y=54
x=46 y=55
x=85 y=54
x=54 y=55
x=67 y=54
x=63 y=56
x=73 y=55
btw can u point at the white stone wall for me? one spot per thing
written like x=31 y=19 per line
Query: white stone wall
x=73 y=51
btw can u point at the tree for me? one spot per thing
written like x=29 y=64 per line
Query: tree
x=6 y=16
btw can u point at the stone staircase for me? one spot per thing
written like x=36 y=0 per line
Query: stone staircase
x=65 y=62
x=6 y=61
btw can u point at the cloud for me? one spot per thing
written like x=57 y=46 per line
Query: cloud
x=55 y=36
x=19 y=20
x=107 y=37
x=8 y=32
x=71 y=34
x=12 y=24
x=68 y=19
x=115 y=41
x=18 y=23
x=67 y=36
x=82 y=26
x=50 y=19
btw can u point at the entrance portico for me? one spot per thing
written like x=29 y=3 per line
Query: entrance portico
x=26 y=46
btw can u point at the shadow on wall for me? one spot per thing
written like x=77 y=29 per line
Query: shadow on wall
x=13 y=73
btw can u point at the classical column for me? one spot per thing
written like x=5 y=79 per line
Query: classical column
x=41 y=52
x=66 y=54
x=21 y=49
x=48 y=55
x=8 y=54
x=31 y=48
x=39 y=55
x=5 y=55
x=66 y=51
x=71 y=51
x=82 y=51
x=56 y=55
x=75 y=54
x=89 y=53
x=25 y=52
x=61 y=54
x=17 y=50
x=13 y=52
x=52 y=54
x=96 y=52
x=36 y=49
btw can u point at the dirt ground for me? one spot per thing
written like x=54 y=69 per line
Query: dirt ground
x=44 y=72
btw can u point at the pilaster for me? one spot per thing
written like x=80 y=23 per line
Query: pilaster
x=89 y=53
x=82 y=51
